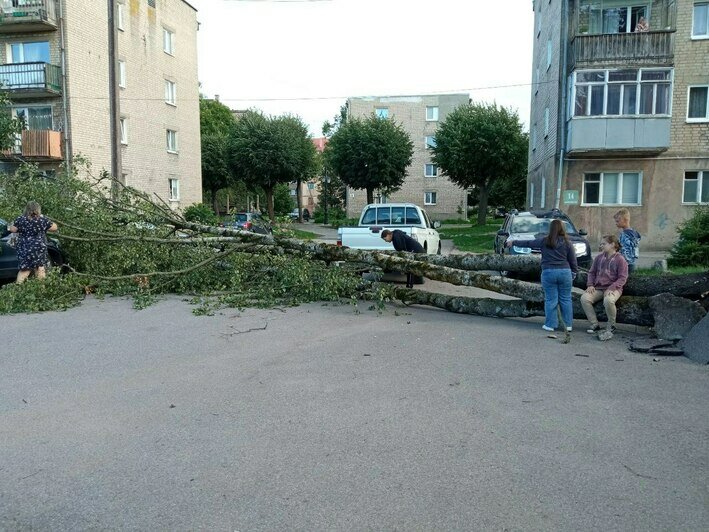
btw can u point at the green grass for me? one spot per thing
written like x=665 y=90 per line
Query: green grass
x=294 y=233
x=456 y=221
x=671 y=271
x=475 y=239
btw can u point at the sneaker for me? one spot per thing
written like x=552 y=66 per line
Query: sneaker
x=594 y=329
x=569 y=329
x=612 y=329
x=547 y=328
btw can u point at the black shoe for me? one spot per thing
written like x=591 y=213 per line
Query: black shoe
x=409 y=285
x=593 y=330
x=612 y=329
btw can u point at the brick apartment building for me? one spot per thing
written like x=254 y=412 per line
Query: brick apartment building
x=620 y=113
x=113 y=81
x=424 y=185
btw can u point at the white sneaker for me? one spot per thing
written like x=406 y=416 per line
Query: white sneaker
x=569 y=329
x=547 y=328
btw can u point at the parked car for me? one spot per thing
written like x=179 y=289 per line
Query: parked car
x=294 y=215
x=530 y=225
x=500 y=212
x=8 y=255
x=249 y=221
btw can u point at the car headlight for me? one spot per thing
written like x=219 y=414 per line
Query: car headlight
x=518 y=249
x=580 y=248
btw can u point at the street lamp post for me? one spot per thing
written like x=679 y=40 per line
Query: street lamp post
x=326 y=180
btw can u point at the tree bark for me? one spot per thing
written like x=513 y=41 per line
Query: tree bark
x=269 y=201
x=482 y=204
x=299 y=201
x=370 y=196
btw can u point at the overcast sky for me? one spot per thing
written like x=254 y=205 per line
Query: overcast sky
x=306 y=57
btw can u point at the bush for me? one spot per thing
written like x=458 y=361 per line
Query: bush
x=692 y=248
x=199 y=212
x=333 y=214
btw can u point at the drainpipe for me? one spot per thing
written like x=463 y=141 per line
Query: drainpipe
x=564 y=90
x=65 y=87
x=114 y=106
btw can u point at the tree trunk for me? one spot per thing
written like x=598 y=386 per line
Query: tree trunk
x=482 y=204
x=299 y=201
x=269 y=202
x=370 y=196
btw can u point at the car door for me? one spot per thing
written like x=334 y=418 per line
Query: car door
x=501 y=239
x=8 y=260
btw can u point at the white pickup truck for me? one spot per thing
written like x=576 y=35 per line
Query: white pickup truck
x=376 y=217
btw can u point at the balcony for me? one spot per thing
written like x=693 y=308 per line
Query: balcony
x=618 y=136
x=654 y=48
x=31 y=80
x=24 y=16
x=37 y=145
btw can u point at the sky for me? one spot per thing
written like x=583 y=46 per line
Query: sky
x=306 y=57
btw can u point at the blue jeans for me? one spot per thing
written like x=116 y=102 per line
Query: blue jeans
x=557 y=291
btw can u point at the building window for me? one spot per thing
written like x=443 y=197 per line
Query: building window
x=548 y=54
x=536 y=80
x=28 y=52
x=174 y=185
x=546 y=122
x=622 y=92
x=151 y=3
x=432 y=114
x=700 y=22
x=170 y=92
x=311 y=186
x=429 y=198
x=531 y=195
x=122 y=74
x=431 y=170
x=124 y=130
x=171 y=140
x=381 y=112
x=698 y=107
x=534 y=136
x=120 y=16
x=35 y=118
x=168 y=41
x=612 y=188
x=696 y=187
x=429 y=142
x=543 y=194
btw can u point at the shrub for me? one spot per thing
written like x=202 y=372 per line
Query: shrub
x=692 y=248
x=199 y=212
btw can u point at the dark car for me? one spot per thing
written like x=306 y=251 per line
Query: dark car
x=8 y=254
x=249 y=221
x=530 y=225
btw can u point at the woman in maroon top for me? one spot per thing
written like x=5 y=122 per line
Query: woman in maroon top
x=606 y=279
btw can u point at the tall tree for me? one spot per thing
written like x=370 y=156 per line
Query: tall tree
x=9 y=127
x=266 y=151
x=216 y=123
x=371 y=153
x=329 y=128
x=478 y=144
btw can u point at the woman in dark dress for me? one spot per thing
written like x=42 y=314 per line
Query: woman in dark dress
x=31 y=247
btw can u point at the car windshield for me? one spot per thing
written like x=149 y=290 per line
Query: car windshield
x=242 y=217
x=531 y=224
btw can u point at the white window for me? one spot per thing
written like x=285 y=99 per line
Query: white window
x=698 y=106
x=174 y=185
x=168 y=41
x=170 y=92
x=696 y=187
x=612 y=188
x=548 y=53
x=381 y=112
x=531 y=195
x=536 y=80
x=171 y=140
x=122 y=74
x=34 y=117
x=429 y=198
x=700 y=21
x=429 y=142
x=120 y=16
x=534 y=136
x=432 y=114
x=546 y=122
x=614 y=17
x=124 y=130
x=645 y=91
x=543 y=194
x=431 y=170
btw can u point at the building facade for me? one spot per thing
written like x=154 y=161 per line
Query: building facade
x=120 y=91
x=620 y=113
x=424 y=185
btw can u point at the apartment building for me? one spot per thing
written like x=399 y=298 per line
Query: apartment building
x=424 y=185
x=620 y=113
x=114 y=82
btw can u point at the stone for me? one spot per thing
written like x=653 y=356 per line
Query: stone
x=645 y=345
x=674 y=316
x=668 y=351
x=696 y=342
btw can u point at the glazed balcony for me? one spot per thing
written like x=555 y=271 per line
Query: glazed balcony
x=25 y=16
x=31 y=80
x=620 y=49
x=36 y=145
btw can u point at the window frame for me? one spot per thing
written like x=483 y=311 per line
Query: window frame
x=430 y=197
x=701 y=36
x=175 y=189
x=165 y=33
x=172 y=147
x=122 y=74
x=619 y=189
x=706 y=111
x=120 y=16
x=123 y=124
x=381 y=112
x=172 y=92
x=434 y=113
x=429 y=144
x=701 y=175
x=426 y=167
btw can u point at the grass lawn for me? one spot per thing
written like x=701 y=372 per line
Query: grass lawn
x=475 y=239
x=671 y=271
x=294 y=233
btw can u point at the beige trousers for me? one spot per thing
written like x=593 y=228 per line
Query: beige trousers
x=609 y=298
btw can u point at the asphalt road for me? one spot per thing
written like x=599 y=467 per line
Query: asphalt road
x=324 y=418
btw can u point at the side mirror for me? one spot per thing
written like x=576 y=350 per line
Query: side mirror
x=502 y=232
x=583 y=232
x=436 y=224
